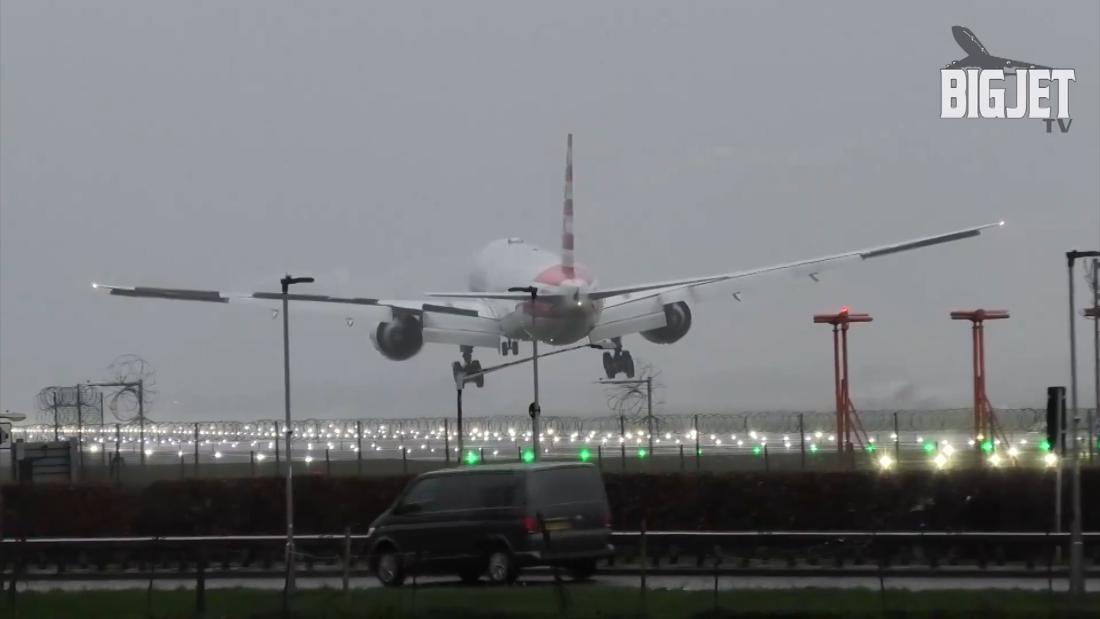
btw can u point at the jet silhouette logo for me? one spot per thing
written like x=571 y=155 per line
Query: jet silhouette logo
x=975 y=86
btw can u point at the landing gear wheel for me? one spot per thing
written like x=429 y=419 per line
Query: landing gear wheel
x=504 y=348
x=515 y=347
x=389 y=569
x=473 y=368
x=627 y=364
x=609 y=365
x=502 y=568
x=581 y=570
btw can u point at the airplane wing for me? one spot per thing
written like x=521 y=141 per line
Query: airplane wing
x=629 y=309
x=462 y=322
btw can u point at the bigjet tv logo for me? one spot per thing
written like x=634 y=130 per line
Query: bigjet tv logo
x=978 y=86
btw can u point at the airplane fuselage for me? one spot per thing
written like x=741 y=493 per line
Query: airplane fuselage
x=564 y=315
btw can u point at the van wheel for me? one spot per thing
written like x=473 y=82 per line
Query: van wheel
x=502 y=568
x=389 y=570
x=581 y=570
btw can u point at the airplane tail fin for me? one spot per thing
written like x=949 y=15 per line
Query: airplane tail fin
x=968 y=41
x=567 y=213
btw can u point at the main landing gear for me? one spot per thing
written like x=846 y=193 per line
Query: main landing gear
x=618 y=362
x=469 y=365
x=509 y=347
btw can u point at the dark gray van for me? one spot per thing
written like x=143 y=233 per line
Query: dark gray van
x=494 y=520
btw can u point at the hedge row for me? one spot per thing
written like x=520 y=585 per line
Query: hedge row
x=987 y=500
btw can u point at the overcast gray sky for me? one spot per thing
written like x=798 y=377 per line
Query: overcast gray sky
x=377 y=146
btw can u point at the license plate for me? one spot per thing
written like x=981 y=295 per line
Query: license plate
x=557 y=525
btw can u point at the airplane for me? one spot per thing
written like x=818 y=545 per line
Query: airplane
x=978 y=57
x=519 y=292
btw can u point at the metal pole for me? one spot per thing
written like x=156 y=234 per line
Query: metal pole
x=1096 y=357
x=289 y=583
x=141 y=418
x=649 y=415
x=446 y=442
x=975 y=373
x=80 y=430
x=102 y=427
x=698 y=454
x=359 y=447
x=1059 y=450
x=836 y=391
x=458 y=425
x=802 y=439
x=847 y=395
x=1076 y=545
x=102 y=424
x=196 y=458
x=622 y=441
x=347 y=560
x=56 y=420
x=535 y=367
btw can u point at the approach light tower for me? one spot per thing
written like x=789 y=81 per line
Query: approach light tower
x=847 y=420
x=985 y=419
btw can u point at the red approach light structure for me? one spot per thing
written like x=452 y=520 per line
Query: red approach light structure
x=985 y=418
x=847 y=420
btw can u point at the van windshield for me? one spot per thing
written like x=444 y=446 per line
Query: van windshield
x=567 y=485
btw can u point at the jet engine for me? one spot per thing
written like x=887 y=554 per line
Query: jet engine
x=678 y=322
x=400 y=339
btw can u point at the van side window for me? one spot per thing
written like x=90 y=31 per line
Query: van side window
x=425 y=494
x=566 y=485
x=480 y=491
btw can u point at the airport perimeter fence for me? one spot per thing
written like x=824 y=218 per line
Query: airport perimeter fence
x=782 y=440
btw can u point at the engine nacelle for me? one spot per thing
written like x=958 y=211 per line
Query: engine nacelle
x=678 y=322
x=400 y=339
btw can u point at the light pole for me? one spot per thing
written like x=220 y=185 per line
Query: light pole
x=648 y=382
x=288 y=587
x=1076 y=543
x=534 y=410
x=1094 y=313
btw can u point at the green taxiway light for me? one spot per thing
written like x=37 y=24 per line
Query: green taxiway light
x=471 y=457
x=1044 y=446
x=987 y=446
x=756 y=451
x=928 y=447
x=870 y=448
x=528 y=456
x=584 y=455
x=813 y=448
x=642 y=453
